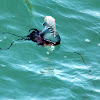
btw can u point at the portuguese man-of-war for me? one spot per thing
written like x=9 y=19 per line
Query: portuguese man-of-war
x=47 y=37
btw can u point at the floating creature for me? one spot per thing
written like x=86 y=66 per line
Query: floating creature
x=48 y=37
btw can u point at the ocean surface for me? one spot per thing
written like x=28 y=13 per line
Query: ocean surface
x=32 y=72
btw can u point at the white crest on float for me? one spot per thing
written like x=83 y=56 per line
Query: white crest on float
x=50 y=22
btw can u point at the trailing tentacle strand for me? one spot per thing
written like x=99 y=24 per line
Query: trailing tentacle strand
x=21 y=38
x=11 y=34
x=83 y=61
x=11 y=44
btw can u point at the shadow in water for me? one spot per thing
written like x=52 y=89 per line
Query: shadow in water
x=29 y=6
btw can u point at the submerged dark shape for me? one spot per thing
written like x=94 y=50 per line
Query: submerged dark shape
x=36 y=36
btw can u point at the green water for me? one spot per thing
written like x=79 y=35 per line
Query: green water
x=31 y=72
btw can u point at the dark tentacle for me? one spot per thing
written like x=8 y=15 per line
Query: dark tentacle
x=12 y=44
x=11 y=34
x=83 y=61
x=31 y=36
x=21 y=38
x=34 y=30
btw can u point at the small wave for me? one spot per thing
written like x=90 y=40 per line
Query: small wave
x=92 y=13
x=26 y=68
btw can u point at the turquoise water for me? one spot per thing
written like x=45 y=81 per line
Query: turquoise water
x=31 y=72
